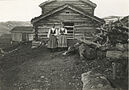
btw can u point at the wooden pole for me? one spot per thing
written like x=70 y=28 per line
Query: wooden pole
x=114 y=70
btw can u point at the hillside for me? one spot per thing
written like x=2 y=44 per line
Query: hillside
x=5 y=27
x=40 y=69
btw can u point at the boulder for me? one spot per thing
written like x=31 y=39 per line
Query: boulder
x=114 y=54
x=120 y=47
x=95 y=81
x=85 y=51
x=90 y=53
x=126 y=46
x=125 y=55
x=81 y=50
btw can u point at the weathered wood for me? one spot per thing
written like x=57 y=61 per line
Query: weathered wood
x=79 y=4
x=43 y=30
x=82 y=23
x=89 y=42
x=86 y=27
x=114 y=70
x=84 y=30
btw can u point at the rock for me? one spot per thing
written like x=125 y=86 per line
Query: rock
x=100 y=54
x=125 y=54
x=81 y=50
x=42 y=76
x=36 y=44
x=72 y=49
x=87 y=52
x=120 y=47
x=95 y=81
x=114 y=54
x=126 y=46
x=90 y=53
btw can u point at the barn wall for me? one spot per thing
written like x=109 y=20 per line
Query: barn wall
x=82 y=24
x=76 y=3
x=16 y=37
x=84 y=29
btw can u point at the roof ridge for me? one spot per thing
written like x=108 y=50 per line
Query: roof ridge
x=89 y=2
x=46 y=2
x=85 y=1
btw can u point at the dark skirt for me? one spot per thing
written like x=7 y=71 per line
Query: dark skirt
x=52 y=43
x=62 y=41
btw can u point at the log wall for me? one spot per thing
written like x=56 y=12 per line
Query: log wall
x=77 y=3
x=82 y=25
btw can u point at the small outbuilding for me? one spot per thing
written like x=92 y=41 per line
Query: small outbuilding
x=22 y=34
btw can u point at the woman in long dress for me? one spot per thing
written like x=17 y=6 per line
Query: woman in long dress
x=52 y=43
x=62 y=39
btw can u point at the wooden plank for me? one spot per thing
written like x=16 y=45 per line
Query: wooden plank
x=80 y=4
x=69 y=33
x=69 y=26
x=70 y=2
x=42 y=33
x=64 y=19
x=80 y=28
x=43 y=30
x=83 y=31
x=84 y=25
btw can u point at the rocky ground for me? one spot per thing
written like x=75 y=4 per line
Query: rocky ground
x=40 y=69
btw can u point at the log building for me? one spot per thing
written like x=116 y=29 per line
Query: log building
x=77 y=16
x=22 y=34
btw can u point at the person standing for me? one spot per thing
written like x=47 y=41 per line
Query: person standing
x=62 y=39
x=52 y=43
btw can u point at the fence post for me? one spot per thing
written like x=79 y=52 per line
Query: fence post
x=114 y=70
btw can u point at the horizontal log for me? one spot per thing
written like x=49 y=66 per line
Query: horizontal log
x=70 y=2
x=45 y=23
x=43 y=30
x=69 y=26
x=55 y=6
x=67 y=16
x=80 y=28
x=85 y=31
x=83 y=25
x=62 y=20
x=69 y=13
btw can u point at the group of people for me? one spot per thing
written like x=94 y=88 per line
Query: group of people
x=57 y=38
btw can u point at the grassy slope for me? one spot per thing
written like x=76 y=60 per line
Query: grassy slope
x=39 y=68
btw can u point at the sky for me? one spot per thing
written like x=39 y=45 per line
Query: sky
x=25 y=10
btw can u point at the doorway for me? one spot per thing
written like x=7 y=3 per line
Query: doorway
x=70 y=29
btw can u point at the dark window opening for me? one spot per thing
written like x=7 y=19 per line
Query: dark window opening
x=70 y=28
x=68 y=24
x=67 y=12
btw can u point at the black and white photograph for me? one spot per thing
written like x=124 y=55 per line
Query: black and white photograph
x=64 y=44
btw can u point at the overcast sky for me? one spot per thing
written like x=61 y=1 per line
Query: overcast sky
x=25 y=10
